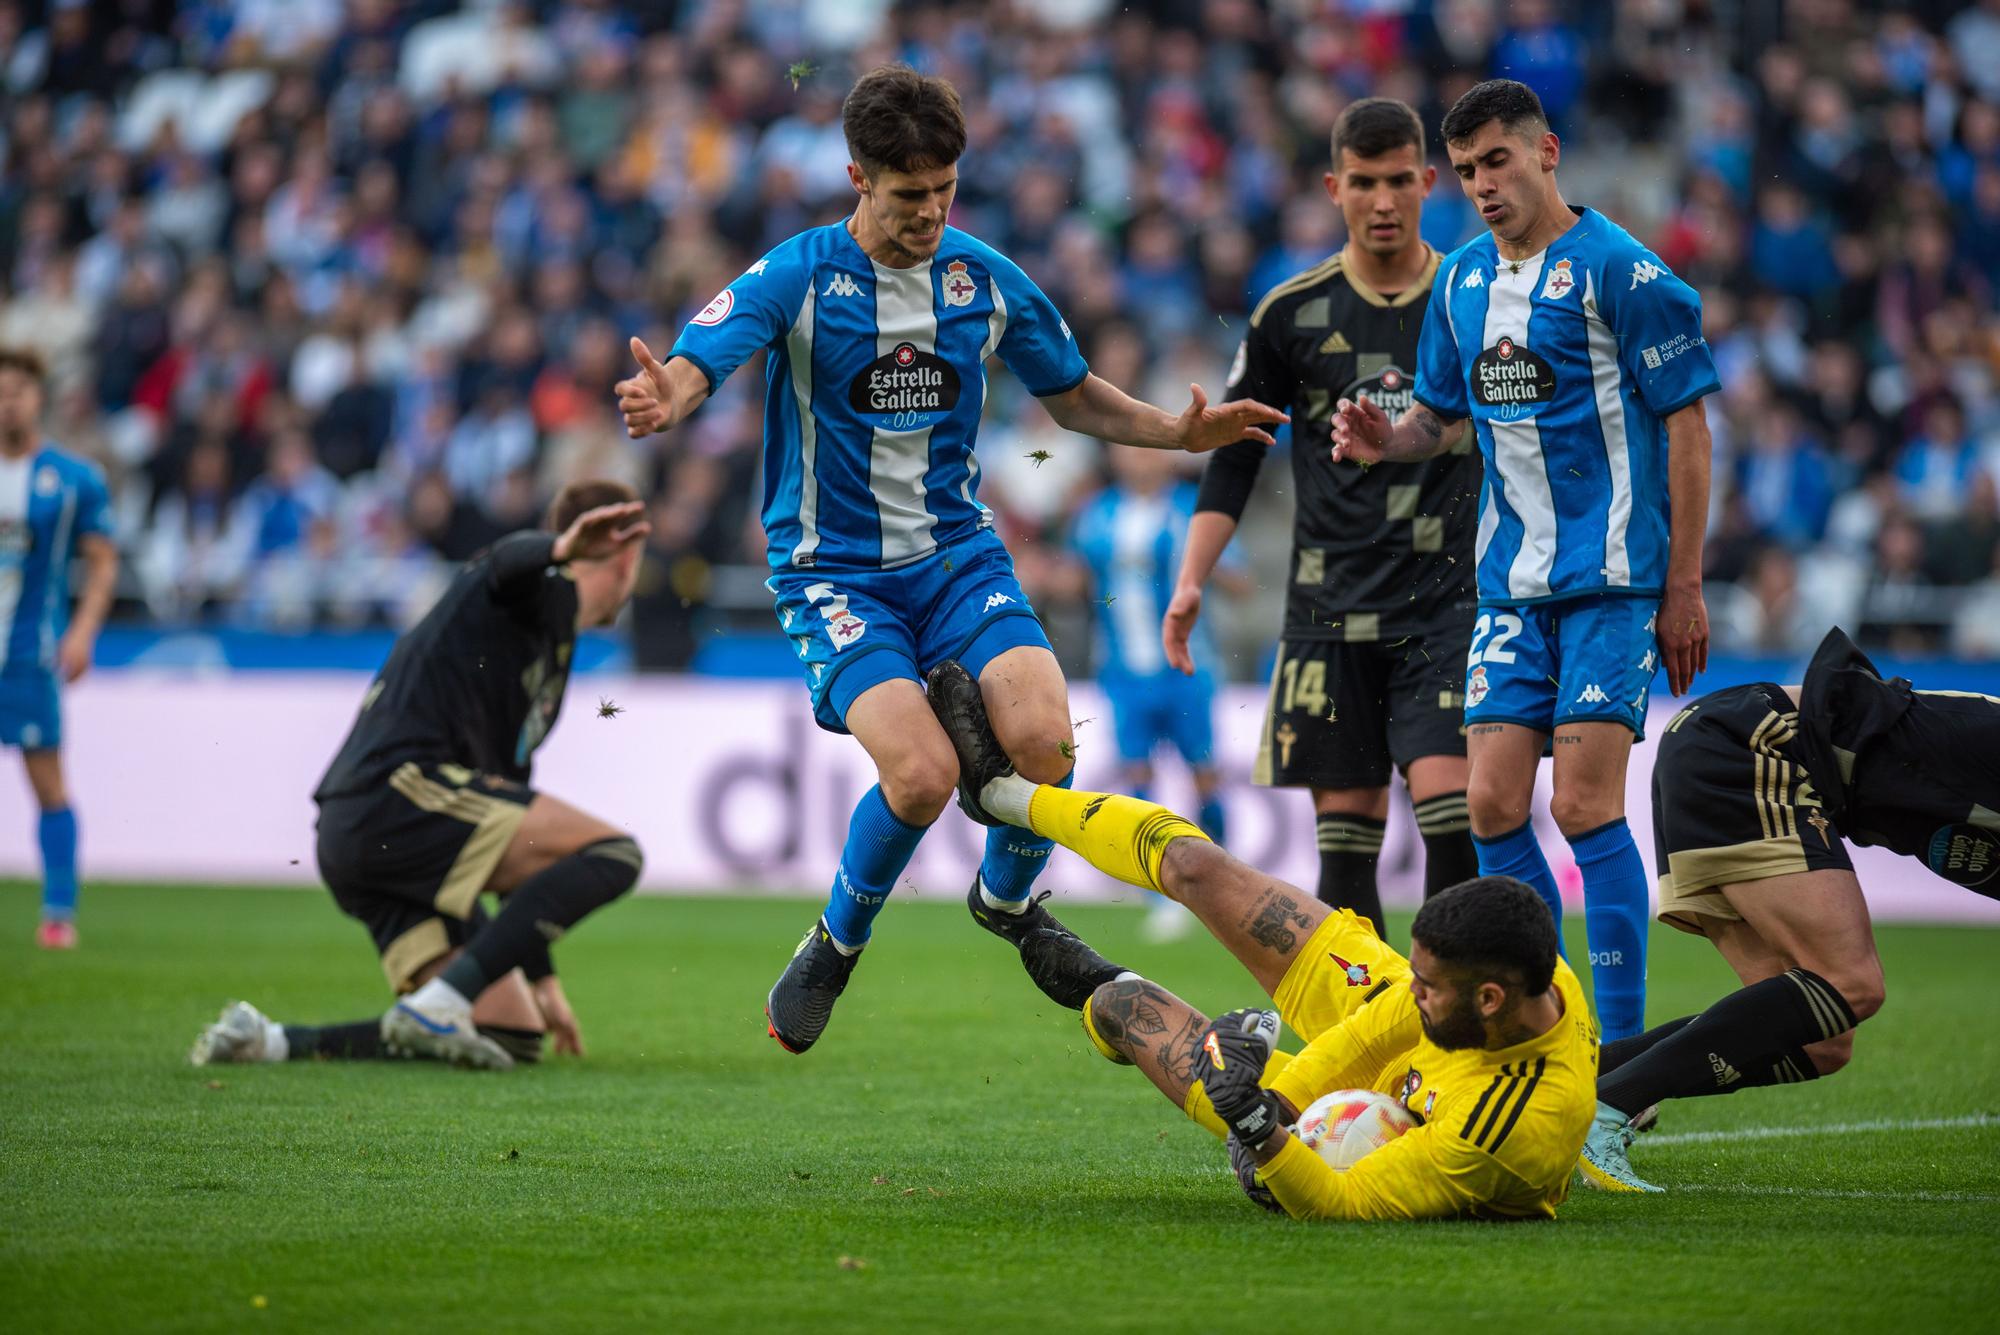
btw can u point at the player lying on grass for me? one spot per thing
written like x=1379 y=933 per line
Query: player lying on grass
x=1752 y=791
x=1483 y=1033
x=428 y=805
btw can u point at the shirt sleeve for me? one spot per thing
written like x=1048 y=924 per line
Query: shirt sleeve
x=93 y=505
x=1037 y=345
x=1423 y=1174
x=1440 y=371
x=1656 y=319
x=1353 y=1053
x=515 y=563
x=751 y=313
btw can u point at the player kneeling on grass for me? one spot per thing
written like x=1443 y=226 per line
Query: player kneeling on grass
x=1483 y=1033
x=428 y=805
x=1752 y=791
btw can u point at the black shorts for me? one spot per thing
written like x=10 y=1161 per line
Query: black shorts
x=1343 y=713
x=409 y=860
x=1732 y=802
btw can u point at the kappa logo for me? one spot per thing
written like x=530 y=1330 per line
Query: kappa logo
x=1560 y=282
x=1333 y=343
x=1645 y=271
x=994 y=600
x=1593 y=694
x=756 y=270
x=1357 y=974
x=842 y=285
x=1477 y=278
x=1646 y=663
x=959 y=288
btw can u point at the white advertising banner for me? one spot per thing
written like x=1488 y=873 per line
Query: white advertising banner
x=727 y=785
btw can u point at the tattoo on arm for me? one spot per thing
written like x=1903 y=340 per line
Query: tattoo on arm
x=1426 y=421
x=1271 y=919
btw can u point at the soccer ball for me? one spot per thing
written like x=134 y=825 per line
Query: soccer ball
x=1349 y=1124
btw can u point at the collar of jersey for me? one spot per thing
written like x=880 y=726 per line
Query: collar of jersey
x=1584 y=217
x=854 y=249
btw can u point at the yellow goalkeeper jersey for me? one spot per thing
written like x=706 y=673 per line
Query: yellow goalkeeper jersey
x=1500 y=1128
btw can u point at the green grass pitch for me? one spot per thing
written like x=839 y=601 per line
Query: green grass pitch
x=951 y=1156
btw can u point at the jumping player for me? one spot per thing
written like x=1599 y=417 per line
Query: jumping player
x=1580 y=360
x=53 y=510
x=428 y=805
x=883 y=562
x=1483 y=1033
x=1370 y=672
x=1753 y=789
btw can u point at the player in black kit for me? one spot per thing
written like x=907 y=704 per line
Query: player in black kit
x=428 y=805
x=1370 y=671
x=1753 y=790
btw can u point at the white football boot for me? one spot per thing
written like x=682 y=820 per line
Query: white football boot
x=435 y=1022
x=242 y=1033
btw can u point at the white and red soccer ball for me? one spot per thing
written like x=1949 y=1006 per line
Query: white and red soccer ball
x=1349 y=1124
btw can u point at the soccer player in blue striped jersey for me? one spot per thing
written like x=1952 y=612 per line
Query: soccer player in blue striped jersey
x=53 y=510
x=1130 y=537
x=1580 y=360
x=883 y=563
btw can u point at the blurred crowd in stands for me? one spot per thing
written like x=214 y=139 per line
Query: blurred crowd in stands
x=336 y=291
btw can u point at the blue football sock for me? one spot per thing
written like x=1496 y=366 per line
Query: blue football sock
x=1015 y=857
x=1213 y=824
x=1518 y=854
x=1615 y=910
x=57 y=832
x=878 y=847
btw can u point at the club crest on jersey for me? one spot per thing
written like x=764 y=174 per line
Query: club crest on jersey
x=1475 y=688
x=1357 y=974
x=1412 y=1082
x=1510 y=381
x=1560 y=282
x=47 y=482
x=717 y=310
x=906 y=389
x=844 y=630
x=959 y=288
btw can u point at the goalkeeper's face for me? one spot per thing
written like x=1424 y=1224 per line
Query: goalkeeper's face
x=1455 y=1008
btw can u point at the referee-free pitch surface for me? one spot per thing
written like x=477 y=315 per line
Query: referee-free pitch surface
x=952 y=1154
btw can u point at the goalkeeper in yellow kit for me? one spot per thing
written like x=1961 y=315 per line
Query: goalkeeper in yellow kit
x=1483 y=1033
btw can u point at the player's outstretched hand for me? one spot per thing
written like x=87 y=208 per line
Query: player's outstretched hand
x=564 y=1035
x=1360 y=431
x=1230 y=1061
x=1178 y=624
x=644 y=397
x=1202 y=428
x=1683 y=632
x=596 y=534
x=73 y=654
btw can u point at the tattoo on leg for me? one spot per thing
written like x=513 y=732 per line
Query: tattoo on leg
x=1486 y=729
x=1177 y=1053
x=1271 y=919
x=1128 y=1013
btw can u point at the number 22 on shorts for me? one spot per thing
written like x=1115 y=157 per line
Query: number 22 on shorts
x=1502 y=626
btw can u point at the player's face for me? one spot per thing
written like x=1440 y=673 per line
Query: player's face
x=1382 y=198
x=1506 y=176
x=1448 y=1005
x=20 y=406
x=908 y=209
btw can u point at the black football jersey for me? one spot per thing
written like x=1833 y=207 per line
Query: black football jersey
x=478 y=682
x=1380 y=552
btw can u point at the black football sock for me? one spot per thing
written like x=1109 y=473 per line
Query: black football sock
x=1749 y=1038
x=541 y=909
x=1619 y=1051
x=359 y=1041
x=1449 y=856
x=523 y=1045
x=1349 y=848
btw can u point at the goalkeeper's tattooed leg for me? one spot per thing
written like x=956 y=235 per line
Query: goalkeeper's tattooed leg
x=1259 y=919
x=1151 y=1028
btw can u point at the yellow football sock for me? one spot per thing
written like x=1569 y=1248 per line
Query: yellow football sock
x=1120 y=836
x=1104 y=1049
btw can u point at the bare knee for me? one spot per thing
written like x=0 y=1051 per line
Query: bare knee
x=919 y=784
x=1861 y=988
x=1577 y=814
x=1045 y=755
x=1496 y=807
x=1192 y=866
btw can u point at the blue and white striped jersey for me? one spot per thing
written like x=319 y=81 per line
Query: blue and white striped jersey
x=49 y=501
x=874 y=388
x=1132 y=544
x=1566 y=363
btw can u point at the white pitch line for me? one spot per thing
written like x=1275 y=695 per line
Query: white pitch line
x=1828 y=1193
x=1968 y=1122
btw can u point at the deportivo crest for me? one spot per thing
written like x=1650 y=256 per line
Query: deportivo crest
x=1475 y=688
x=1560 y=282
x=959 y=289
x=1357 y=974
x=844 y=630
x=717 y=310
x=1511 y=381
x=906 y=389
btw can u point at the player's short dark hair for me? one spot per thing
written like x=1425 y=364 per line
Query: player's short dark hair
x=1493 y=926
x=1374 y=126
x=1508 y=101
x=587 y=494
x=898 y=119
x=28 y=362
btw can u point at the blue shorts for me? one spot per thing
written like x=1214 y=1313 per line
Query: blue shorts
x=857 y=629
x=1146 y=711
x=30 y=710
x=1545 y=664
